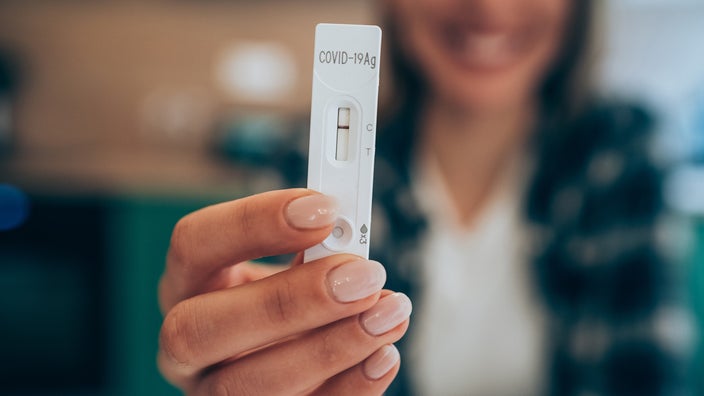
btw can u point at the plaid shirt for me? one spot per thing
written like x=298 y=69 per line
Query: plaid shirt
x=594 y=205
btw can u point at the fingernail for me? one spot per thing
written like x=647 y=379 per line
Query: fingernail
x=355 y=280
x=311 y=211
x=381 y=362
x=388 y=313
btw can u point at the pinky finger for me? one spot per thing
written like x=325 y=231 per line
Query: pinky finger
x=371 y=377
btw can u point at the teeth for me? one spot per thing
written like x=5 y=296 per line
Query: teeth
x=486 y=49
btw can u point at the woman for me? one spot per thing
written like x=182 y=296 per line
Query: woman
x=516 y=212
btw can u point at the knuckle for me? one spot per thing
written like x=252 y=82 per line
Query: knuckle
x=243 y=219
x=232 y=382
x=344 y=341
x=179 y=335
x=329 y=351
x=280 y=306
x=221 y=388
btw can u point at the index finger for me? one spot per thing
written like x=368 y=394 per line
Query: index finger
x=213 y=238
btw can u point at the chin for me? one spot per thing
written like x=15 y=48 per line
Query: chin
x=482 y=93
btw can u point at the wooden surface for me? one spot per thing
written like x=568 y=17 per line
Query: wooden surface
x=85 y=114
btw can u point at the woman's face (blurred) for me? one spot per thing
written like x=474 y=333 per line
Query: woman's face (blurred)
x=482 y=55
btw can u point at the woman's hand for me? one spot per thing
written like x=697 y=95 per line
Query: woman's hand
x=325 y=327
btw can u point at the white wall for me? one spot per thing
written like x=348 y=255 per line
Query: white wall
x=655 y=49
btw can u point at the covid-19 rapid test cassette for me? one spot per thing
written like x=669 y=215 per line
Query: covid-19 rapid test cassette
x=343 y=131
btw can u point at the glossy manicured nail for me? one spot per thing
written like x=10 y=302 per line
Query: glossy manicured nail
x=311 y=211
x=381 y=362
x=388 y=313
x=355 y=280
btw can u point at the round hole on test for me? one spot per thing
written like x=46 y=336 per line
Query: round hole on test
x=341 y=236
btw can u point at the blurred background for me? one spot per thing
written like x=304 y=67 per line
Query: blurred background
x=119 y=117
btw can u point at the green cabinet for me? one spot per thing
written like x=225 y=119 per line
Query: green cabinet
x=139 y=229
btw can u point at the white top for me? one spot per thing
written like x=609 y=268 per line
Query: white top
x=477 y=327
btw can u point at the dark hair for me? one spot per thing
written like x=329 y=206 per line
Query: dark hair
x=564 y=90
x=566 y=87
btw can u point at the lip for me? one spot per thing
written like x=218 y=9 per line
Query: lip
x=482 y=48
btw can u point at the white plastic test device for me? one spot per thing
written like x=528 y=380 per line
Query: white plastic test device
x=343 y=131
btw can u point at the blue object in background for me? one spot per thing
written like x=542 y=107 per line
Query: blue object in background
x=698 y=127
x=14 y=207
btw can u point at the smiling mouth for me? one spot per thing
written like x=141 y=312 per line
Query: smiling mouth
x=484 y=49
